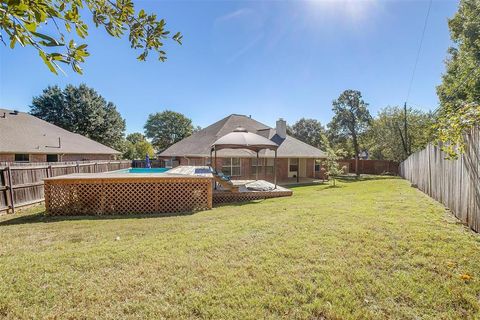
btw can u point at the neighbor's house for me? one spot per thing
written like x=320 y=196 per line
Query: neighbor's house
x=25 y=138
x=295 y=158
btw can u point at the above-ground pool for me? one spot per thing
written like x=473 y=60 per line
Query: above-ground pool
x=142 y=170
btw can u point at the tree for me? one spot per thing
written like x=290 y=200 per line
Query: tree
x=459 y=92
x=351 y=119
x=384 y=139
x=309 y=131
x=137 y=147
x=81 y=110
x=196 y=129
x=167 y=127
x=24 y=22
x=135 y=137
x=331 y=164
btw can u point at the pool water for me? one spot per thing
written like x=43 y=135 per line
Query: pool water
x=143 y=170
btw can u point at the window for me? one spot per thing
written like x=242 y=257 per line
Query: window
x=52 y=157
x=21 y=157
x=269 y=162
x=293 y=166
x=257 y=167
x=318 y=165
x=231 y=167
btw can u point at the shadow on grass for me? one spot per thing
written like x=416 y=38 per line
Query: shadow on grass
x=344 y=179
x=366 y=177
x=333 y=187
x=41 y=217
x=306 y=184
x=240 y=204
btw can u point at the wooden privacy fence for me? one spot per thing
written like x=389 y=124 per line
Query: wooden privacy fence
x=22 y=185
x=371 y=166
x=455 y=183
x=154 y=163
x=121 y=194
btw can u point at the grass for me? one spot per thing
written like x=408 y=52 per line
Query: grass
x=372 y=249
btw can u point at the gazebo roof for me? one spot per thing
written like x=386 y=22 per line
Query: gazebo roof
x=240 y=138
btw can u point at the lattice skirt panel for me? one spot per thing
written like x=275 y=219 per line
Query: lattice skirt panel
x=127 y=197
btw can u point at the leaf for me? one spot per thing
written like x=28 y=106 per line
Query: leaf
x=32 y=27
x=47 y=62
x=77 y=68
x=465 y=277
x=44 y=36
x=12 y=42
x=13 y=3
x=142 y=56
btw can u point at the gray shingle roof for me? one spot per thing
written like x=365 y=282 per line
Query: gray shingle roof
x=24 y=133
x=198 y=144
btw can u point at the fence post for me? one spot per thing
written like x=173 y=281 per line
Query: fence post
x=10 y=188
x=5 y=191
x=77 y=168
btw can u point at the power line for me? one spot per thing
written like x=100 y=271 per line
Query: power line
x=419 y=51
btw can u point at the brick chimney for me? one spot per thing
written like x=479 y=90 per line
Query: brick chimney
x=281 y=128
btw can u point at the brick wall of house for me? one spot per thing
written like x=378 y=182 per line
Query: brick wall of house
x=248 y=172
x=34 y=157
x=38 y=157
x=81 y=157
x=310 y=169
x=10 y=157
x=7 y=157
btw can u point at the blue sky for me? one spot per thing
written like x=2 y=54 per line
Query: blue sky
x=268 y=59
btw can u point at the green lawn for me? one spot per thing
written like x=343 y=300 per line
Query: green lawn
x=375 y=248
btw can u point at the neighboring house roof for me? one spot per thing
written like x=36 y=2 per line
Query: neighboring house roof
x=199 y=143
x=23 y=133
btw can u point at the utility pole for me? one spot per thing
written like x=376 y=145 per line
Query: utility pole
x=407 y=145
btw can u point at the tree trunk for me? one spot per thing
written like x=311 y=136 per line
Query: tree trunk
x=357 y=151
x=356 y=165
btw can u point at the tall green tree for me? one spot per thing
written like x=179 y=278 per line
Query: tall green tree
x=351 y=119
x=24 y=22
x=309 y=131
x=137 y=147
x=81 y=110
x=459 y=92
x=384 y=139
x=167 y=127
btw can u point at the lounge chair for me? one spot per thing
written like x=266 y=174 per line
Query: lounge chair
x=224 y=181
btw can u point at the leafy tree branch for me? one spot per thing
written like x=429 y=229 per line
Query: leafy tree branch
x=21 y=21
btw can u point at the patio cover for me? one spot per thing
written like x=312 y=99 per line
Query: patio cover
x=240 y=138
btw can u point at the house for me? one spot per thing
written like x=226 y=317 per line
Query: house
x=295 y=158
x=25 y=138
